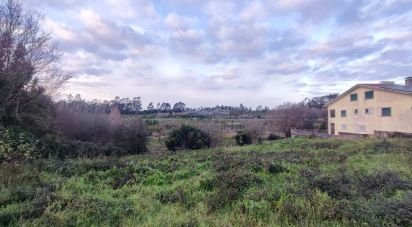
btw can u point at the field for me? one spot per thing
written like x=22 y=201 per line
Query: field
x=222 y=130
x=290 y=182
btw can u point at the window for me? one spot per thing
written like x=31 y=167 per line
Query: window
x=369 y=95
x=386 y=112
x=332 y=113
x=343 y=113
x=356 y=111
x=366 y=111
x=343 y=127
x=354 y=97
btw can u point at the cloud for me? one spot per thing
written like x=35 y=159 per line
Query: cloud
x=228 y=52
x=175 y=21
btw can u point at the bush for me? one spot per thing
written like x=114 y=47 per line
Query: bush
x=337 y=187
x=386 y=182
x=230 y=187
x=188 y=137
x=131 y=137
x=400 y=212
x=393 y=212
x=126 y=139
x=57 y=147
x=243 y=138
x=18 y=144
x=275 y=168
x=344 y=186
x=102 y=128
x=273 y=136
x=234 y=176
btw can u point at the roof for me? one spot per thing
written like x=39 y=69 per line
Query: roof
x=396 y=88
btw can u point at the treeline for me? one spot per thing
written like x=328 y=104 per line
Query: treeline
x=133 y=106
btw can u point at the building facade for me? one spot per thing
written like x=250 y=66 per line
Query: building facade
x=372 y=109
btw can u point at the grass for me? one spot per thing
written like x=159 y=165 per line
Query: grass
x=291 y=182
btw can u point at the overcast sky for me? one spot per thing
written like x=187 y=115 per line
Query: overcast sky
x=207 y=52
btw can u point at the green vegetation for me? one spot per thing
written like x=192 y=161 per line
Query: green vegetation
x=301 y=182
x=243 y=138
x=188 y=137
x=80 y=163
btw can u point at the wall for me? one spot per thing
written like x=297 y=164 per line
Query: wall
x=314 y=133
x=361 y=123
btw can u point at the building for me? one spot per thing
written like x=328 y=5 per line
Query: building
x=372 y=109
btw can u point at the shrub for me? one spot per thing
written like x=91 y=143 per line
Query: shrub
x=273 y=136
x=18 y=144
x=131 y=137
x=338 y=187
x=243 y=138
x=275 y=168
x=57 y=147
x=188 y=137
x=394 y=212
x=386 y=182
x=102 y=129
x=233 y=177
x=230 y=185
x=126 y=139
x=400 y=212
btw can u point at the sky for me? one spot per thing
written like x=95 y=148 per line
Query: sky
x=209 y=52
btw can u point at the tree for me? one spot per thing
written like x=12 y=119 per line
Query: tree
x=150 y=106
x=165 y=107
x=318 y=102
x=136 y=104
x=28 y=72
x=292 y=115
x=179 y=107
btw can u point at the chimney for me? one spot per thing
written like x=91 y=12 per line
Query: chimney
x=408 y=82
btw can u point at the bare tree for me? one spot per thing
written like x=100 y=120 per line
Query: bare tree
x=291 y=115
x=28 y=71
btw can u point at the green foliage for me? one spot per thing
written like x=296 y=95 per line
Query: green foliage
x=344 y=186
x=188 y=137
x=56 y=147
x=171 y=196
x=18 y=144
x=275 y=168
x=243 y=138
x=230 y=187
x=290 y=182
